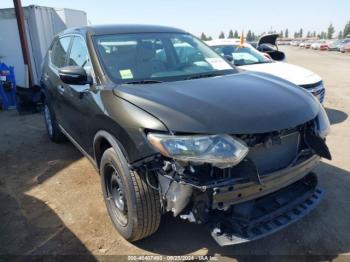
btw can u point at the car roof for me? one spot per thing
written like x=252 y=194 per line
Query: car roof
x=122 y=29
x=231 y=41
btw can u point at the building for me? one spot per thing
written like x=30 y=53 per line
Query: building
x=42 y=24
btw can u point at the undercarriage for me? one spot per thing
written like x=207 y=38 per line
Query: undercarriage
x=272 y=187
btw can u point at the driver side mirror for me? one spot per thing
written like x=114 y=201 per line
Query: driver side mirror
x=74 y=75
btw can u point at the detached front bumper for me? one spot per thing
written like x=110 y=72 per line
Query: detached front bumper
x=263 y=216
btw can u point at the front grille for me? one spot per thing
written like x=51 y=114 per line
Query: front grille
x=277 y=155
x=316 y=89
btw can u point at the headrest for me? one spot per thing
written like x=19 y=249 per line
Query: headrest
x=146 y=51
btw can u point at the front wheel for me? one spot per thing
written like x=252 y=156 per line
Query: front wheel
x=134 y=206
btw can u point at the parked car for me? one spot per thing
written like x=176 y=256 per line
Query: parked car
x=247 y=58
x=324 y=46
x=319 y=45
x=268 y=44
x=345 y=48
x=184 y=133
x=302 y=44
x=335 y=45
x=343 y=44
x=308 y=44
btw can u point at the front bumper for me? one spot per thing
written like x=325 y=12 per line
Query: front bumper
x=256 y=219
x=229 y=195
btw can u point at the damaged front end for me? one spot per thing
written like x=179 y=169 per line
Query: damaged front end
x=242 y=187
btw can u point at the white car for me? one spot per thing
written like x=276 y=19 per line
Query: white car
x=247 y=58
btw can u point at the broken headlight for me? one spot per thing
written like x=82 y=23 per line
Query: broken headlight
x=219 y=150
x=322 y=122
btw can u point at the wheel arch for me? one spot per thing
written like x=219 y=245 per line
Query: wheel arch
x=104 y=140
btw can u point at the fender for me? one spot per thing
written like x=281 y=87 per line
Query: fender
x=116 y=145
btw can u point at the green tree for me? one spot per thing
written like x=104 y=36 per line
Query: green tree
x=204 y=37
x=281 y=34
x=330 y=31
x=222 y=35
x=323 y=35
x=230 y=34
x=308 y=34
x=286 y=33
x=301 y=33
x=340 y=35
x=346 y=30
x=209 y=38
x=249 y=36
x=236 y=35
x=314 y=34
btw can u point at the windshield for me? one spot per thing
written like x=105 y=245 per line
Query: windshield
x=152 y=57
x=242 y=55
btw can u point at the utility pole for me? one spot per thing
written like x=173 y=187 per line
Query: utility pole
x=24 y=42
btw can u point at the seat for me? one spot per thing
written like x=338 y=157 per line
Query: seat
x=146 y=62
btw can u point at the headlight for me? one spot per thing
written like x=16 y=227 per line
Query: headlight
x=219 y=150
x=323 y=125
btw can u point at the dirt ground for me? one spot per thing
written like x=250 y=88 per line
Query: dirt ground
x=51 y=201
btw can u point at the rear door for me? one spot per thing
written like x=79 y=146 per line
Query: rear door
x=58 y=58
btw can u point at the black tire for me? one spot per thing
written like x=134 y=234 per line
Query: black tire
x=53 y=131
x=141 y=215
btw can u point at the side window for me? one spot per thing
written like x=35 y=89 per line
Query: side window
x=79 y=53
x=59 y=52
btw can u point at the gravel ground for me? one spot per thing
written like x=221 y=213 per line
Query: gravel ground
x=51 y=201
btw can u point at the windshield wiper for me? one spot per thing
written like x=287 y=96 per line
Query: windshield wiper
x=143 y=82
x=204 y=75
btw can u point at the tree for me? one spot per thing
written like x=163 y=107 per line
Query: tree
x=236 y=35
x=330 y=31
x=204 y=37
x=222 y=35
x=230 y=34
x=340 y=35
x=286 y=33
x=209 y=38
x=295 y=35
x=281 y=33
x=301 y=33
x=346 y=30
x=314 y=34
x=308 y=34
x=249 y=36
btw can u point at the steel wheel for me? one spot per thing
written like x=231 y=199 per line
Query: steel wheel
x=116 y=195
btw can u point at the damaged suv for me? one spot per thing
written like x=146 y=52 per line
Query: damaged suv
x=172 y=127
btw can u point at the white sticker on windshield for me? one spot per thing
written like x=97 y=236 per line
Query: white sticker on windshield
x=218 y=63
x=126 y=74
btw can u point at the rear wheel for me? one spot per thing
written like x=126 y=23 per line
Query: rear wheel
x=52 y=128
x=134 y=206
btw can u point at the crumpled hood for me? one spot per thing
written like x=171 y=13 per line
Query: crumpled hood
x=242 y=103
x=295 y=74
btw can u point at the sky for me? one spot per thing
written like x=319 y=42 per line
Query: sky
x=212 y=16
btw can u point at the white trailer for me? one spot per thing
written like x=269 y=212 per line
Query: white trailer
x=42 y=24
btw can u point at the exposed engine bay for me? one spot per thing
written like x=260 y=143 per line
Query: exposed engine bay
x=275 y=171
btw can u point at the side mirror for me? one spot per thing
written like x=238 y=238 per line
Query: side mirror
x=74 y=75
